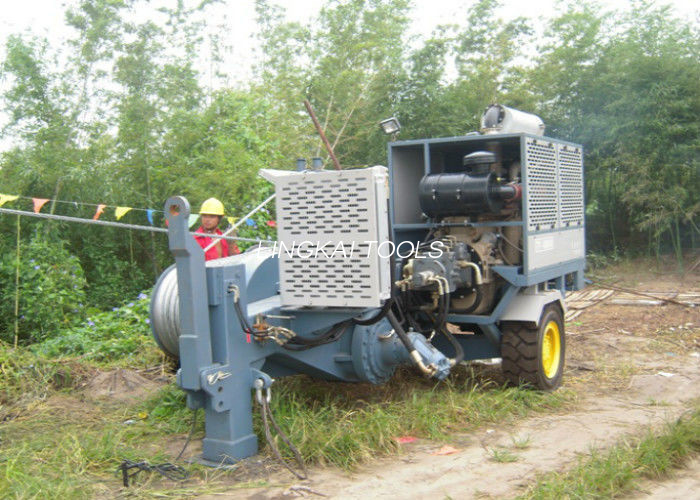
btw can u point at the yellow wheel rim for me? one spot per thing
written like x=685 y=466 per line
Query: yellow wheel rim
x=551 y=349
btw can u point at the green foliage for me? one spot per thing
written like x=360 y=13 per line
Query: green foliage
x=632 y=99
x=51 y=290
x=119 y=115
x=348 y=62
x=121 y=336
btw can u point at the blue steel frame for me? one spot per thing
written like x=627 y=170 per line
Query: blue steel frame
x=516 y=277
x=220 y=362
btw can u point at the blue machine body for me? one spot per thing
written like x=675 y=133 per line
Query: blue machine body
x=220 y=361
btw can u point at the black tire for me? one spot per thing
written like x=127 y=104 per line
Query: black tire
x=524 y=360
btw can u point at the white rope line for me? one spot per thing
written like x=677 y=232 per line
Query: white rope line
x=243 y=219
x=122 y=225
x=87 y=204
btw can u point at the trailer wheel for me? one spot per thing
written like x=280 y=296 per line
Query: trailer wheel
x=535 y=356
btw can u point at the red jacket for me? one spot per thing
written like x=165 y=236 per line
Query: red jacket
x=213 y=252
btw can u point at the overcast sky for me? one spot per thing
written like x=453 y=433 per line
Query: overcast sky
x=45 y=18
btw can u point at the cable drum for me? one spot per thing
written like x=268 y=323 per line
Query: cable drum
x=165 y=313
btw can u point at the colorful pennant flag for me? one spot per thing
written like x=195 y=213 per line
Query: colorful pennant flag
x=38 y=203
x=4 y=198
x=193 y=219
x=99 y=211
x=120 y=212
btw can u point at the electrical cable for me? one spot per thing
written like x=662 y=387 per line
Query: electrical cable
x=241 y=318
x=167 y=470
x=189 y=436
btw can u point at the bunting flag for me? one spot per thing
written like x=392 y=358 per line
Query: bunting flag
x=4 y=198
x=193 y=219
x=99 y=211
x=120 y=212
x=38 y=203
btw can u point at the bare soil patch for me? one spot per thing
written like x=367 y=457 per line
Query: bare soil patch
x=121 y=385
x=684 y=485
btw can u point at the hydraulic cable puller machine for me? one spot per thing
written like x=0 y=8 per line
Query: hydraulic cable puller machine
x=462 y=249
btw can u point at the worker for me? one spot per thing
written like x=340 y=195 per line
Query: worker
x=211 y=213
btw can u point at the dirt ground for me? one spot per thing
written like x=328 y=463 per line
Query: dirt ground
x=631 y=366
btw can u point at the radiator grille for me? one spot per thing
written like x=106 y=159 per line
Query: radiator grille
x=314 y=207
x=342 y=281
x=333 y=215
x=570 y=186
x=541 y=161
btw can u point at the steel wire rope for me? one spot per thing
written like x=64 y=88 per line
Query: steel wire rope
x=268 y=418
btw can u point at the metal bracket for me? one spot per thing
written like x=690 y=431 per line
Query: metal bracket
x=216 y=381
x=256 y=375
x=262 y=381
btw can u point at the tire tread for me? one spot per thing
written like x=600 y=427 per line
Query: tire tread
x=519 y=354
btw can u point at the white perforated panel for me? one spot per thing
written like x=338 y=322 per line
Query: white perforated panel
x=570 y=186
x=555 y=211
x=333 y=215
x=542 y=203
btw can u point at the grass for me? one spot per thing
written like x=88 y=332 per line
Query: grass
x=608 y=474
x=26 y=377
x=58 y=444
x=346 y=424
x=629 y=271
x=503 y=456
x=522 y=443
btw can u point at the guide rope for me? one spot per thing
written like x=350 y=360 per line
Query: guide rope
x=122 y=225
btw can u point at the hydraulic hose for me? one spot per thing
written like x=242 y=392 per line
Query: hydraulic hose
x=415 y=355
x=459 y=351
x=475 y=304
x=377 y=317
